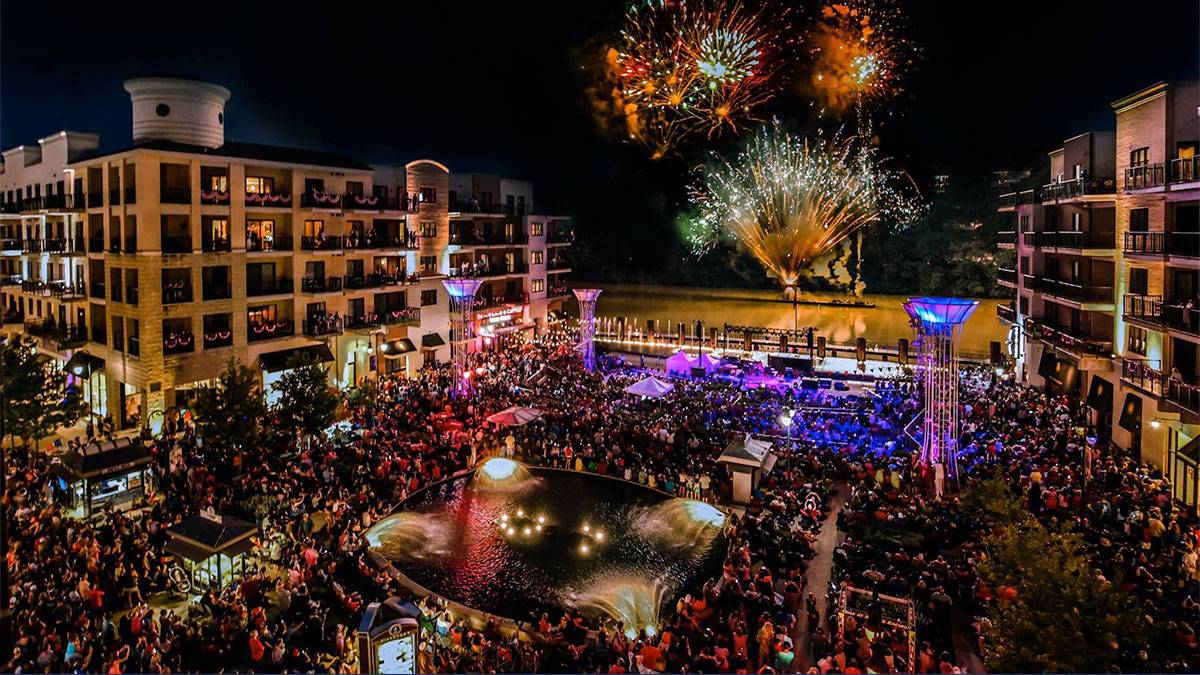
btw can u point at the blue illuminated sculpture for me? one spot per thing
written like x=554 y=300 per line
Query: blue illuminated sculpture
x=939 y=323
x=462 y=301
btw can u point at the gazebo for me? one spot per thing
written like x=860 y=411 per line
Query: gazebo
x=211 y=547
x=748 y=460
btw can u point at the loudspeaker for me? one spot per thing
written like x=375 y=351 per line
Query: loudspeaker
x=997 y=355
x=821 y=347
x=902 y=350
x=860 y=349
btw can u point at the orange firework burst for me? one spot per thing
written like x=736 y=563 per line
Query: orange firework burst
x=857 y=55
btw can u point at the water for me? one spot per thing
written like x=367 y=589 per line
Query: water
x=883 y=324
x=563 y=539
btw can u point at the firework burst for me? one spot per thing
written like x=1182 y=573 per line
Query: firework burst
x=789 y=201
x=858 y=55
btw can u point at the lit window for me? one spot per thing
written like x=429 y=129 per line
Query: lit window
x=260 y=184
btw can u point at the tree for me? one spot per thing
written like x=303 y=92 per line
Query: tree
x=306 y=403
x=37 y=396
x=230 y=415
x=1063 y=617
x=993 y=501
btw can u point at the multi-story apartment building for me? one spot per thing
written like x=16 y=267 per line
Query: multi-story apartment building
x=1106 y=279
x=189 y=249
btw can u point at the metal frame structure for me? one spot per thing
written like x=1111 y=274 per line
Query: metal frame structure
x=941 y=322
x=848 y=607
x=586 y=297
x=462 y=301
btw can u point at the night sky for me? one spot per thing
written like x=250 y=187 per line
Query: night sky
x=496 y=87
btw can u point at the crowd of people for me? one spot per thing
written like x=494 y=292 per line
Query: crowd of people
x=93 y=596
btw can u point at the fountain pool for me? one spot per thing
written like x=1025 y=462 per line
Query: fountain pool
x=516 y=541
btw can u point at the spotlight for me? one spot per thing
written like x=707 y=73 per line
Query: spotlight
x=583 y=548
x=599 y=535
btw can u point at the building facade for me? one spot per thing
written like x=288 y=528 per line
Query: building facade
x=1106 y=279
x=167 y=258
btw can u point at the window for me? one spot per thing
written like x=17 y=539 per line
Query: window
x=428 y=195
x=260 y=235
x=539 y=285
x=1139 y=157
x=428 y=228
x=114 y=284
x=429 y=297
x=428 y=263
x=1076 y=221
x=537 y=257
x=131 y=286
x=260 y=184
x=261 y=314
x=220 y=183
x=538 y=229
x=1139 y=280
x=1137 y=340
x=1139 y=220
x=354 y=187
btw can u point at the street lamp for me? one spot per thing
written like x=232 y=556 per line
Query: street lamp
x=786 y=420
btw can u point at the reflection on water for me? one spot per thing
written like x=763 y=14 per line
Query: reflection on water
x=883 y=324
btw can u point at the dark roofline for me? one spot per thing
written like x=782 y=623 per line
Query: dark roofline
x=248 y=151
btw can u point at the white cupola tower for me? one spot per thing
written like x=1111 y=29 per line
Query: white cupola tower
x=178 y=109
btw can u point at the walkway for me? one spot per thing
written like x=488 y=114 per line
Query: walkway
x=820 y=571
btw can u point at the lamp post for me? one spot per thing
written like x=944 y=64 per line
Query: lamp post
x=786 y=420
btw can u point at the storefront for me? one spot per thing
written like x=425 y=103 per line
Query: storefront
x=395 y=355
x=101 y=474
x=89 y=370
x=211 y=548
x=274 y=364
x=430 y=343
x=1185 y=481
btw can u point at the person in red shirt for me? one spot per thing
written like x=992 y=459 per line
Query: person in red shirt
x=617 y=668
x=256 y=647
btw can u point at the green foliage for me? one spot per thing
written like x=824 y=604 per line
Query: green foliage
x=306 y=403
x=1064 y=618
x=230 y=415
x=363 y=395
x=993 y=501
x=37 y=398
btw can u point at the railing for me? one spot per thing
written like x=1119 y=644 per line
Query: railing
x=176 y=294
x=1144 y=243
x=175 y=245
x=1140 y=374
x=1077 y=187
x=32 y=245
x=400 y=317
x=13 y=316
x=1144 y=176
x=1070 y=239
x=10 y=280
x=1185 y=169
x=55 y=245
x=175 y=195
x=363 y=202
x=48 y=203
x=1086 y=345
x=498 y=300
x=216 y=245
x=560 y=237
x=558 y=292
x=1147 y=308
x=558 y=264
x=216 y=291
x=1183 y=318
x=60 y=335
x=1182 y=394
x=1080 y=292
x=278 y=243
x=1006 y=238
x=214 y=198
x=1006 y=313
x=269 y=330
x=494 y=239
x=280 y=199
x=351 y=282
x=218 y=338
x=321 y=284
x=1006 y=274
x=320 y=243
x=319 y=199
x=273 y=287
x=368 y=320
x=317 y=326
x=1184 y=244
x=1014 y=199
x=473 y=206
x=180 y=342
x=66 y=291
x=12 y=245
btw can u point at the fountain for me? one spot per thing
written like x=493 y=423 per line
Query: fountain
x=680 y=522
x=500 y=473
x=420 y=536
x=634 y=601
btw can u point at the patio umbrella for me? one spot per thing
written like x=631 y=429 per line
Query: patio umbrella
x=515 y=416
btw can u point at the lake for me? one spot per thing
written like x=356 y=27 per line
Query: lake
x=883 y=324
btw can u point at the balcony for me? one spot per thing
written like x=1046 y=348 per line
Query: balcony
x=560 y=237
x=488 y=302
x=355 y=282
x=1145 y=176
x=217 y=291
x=1072 y=341
x=214 y=198
x=282 y=286
x=320 y=243
x=321 y=285
x=1160 y=244
x=1182 y=394
x=1139 y=373
x=469 y=238
x=68 y=291
x=1183 y=244
x=1144 y=308
x=176 y=245
x=175 y=195
x=1077 y=187
x=221 y=245
x=405 y=316
x=1011 y=200
x=258 y=245
x=558 y=264
x=60 y=202
x=1078 y=291
x=218 y=338
x=1006 y=239
x=10 y=280
x=12 y=246
x=1184 y=169
x=322 y=324
x=474 y=206
x=180 y=342
x=558 y=292
x=363 y=321
x=319 y=199
x=174 y=294
x=363 y=202
x=270 y=330
x=1006 y=314
x=12 y=316
x=59 y=336
x=1182 y=318
x=1071 y=239
x=269 y=200
x=1006 y=275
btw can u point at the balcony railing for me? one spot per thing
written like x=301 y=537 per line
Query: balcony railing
x=176 y=294
x=1148 y=308
x=368 y=320
x=405 y=316
x=1006 y=313
x=560 y=237
x=222 y=245
x=1006 y=274
x=179 y=342
x=270 y=330
x=270 y=287
x=1070 y=239
x=65 y=202
x=320 y=243
x=175 y=195
x=1183 y=394
x=1006 y=238
x=363 y=202
x=1185 y=169
x=12 y=246
x=352 y=282
x=1144 y=243
x=10 y=280
x=1013 y=199
x=279 y=243
x=176 y=245
x=1077 y=187
x=474 y=206
x=1140 y=374
x=1071 y=341
x=558 y=264
x=1183 y=244
x=319 y=199
x=12 y=316
x=1081 y=291
x=1182 y=318
x=1145 y=176
x=321 y=284
x=488 y=302
x=61 y=336
x=215 y=198
x=217 y=291
x=320 y=325
x=279 y=200
x=218 y=338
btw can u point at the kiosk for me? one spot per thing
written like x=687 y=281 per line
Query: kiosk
x=390 y=638
x=748 y=460
x=101 y=474
x=211 y=548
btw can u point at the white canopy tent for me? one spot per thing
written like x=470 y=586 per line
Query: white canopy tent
x=679 y=364
x=651 y=387
x=708 y=363
x=515 y=416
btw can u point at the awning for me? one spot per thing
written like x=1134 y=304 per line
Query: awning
x=397 y=348
x=432 y=340
x=198 y=537
x=106 y=458
x=84 y=364
x=1100 y=394
x=1131 y=413
x=1190 y=452
x=1048 y=366
x=273 y=362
